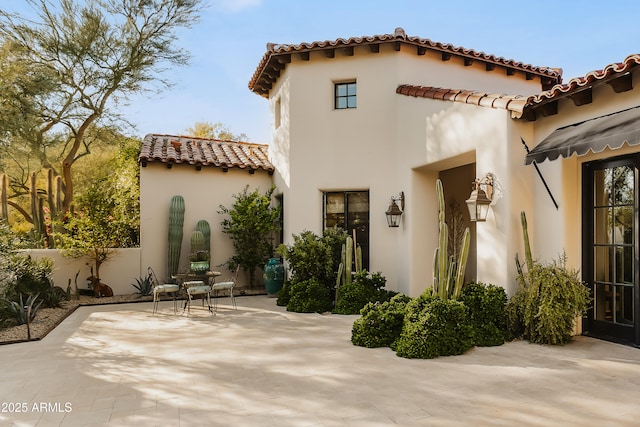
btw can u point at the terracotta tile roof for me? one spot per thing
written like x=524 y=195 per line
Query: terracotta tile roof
x=202 y=152
x=580 y=83
x=278 y=55
x=513 y=103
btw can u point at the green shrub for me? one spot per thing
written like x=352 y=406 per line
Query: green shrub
x=54 y=296
x=311 y=256
x=549 y=299
x=31 y=276
x=365 y=288
x=434 y=327
x=487 y=313
x=284 y=295
x=309 y=296
x=380 y=324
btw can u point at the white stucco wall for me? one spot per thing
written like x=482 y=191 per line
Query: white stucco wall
x=203 y=191
x=119 y=272
x=558 y=231
x=392 y=143
x=457 y=134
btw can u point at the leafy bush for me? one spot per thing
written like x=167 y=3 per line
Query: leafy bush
x=487 y=313
x=311 y=256
x=31 y=276
x=380 y=324
x=54 y=296
x=284 y=295
x=309 y=296
x=365 y=288
x=549 y=299
x=434 y=327
x=251 y=223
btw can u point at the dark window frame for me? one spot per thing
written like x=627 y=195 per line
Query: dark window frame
x=345 y=95
x=349 y=220
x=613 y=331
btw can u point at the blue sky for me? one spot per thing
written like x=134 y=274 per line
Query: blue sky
x=230 y=40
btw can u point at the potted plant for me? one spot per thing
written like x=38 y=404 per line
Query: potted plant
x=199 y=256
x=199 y=261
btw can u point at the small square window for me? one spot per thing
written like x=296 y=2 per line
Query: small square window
x=345 y=95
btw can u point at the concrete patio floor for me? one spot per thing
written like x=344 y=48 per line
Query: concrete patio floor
x=118 y=365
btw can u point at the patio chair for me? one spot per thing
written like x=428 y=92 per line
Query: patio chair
x=195 y=288
x=228 y=286
x=159 y=289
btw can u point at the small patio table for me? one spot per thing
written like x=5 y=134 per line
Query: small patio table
x=190 y=279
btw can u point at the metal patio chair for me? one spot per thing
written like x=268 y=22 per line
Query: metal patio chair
x=195 y=288
x=228 y=286
x=160 y=289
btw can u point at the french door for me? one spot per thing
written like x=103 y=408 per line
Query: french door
x=611 y=250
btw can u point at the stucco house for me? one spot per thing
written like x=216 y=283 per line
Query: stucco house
x=584 y=136
x=206 y=173
x=359 y=122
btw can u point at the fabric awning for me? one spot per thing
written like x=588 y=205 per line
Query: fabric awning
x=612 y=131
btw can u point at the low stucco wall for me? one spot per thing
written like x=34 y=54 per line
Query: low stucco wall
x=119 y=272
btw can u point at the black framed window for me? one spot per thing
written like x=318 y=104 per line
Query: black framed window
x=349 y=210
x=345 y=95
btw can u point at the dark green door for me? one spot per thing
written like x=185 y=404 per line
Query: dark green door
x=610 y=194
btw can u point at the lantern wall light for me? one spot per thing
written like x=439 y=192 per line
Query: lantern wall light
x=481 y=198
x=394 y=212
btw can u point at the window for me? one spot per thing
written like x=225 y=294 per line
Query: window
x=278 y=112
x=349 y=210
x=345 y=95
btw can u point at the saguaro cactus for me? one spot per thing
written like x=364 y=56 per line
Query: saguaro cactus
x=197 y=241
x=205 y=229
x=345 y=268
x=527 y=249
x=448 y=275
x=4 y=188
x=176 y=223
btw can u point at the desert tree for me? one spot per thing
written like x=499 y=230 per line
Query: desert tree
x=72 y=67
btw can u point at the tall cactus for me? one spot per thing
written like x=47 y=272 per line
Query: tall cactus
x=448 y=275
x=37 y=214
x=176 y=223
x=527 y=250
x=197 y=241
x=205 y=229
x=527 y=246
x=50 y=194
x=58 y=198
x=345 y=268
x=4 y=189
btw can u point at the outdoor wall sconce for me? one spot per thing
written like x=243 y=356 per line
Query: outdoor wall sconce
x=394 y=212
x=478 y=202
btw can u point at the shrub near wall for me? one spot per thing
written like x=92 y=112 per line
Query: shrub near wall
x=434 y=327
x=381 y=323
x=365 y=288
x=309 y=296
x=313 y=261
x=545 y=307
x=487 y=313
